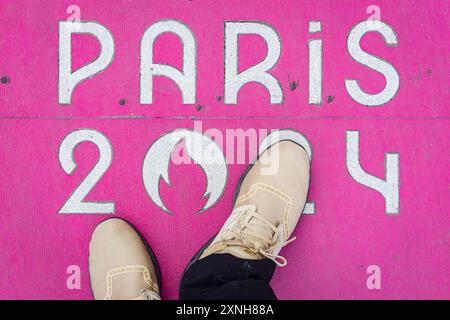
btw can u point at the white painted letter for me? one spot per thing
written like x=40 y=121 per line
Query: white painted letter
x=67 y=80
x=186 y=80
x=375 y=63
x=257 y=73
x=315 y=65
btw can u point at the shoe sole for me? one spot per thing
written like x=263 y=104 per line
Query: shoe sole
x=149 y=251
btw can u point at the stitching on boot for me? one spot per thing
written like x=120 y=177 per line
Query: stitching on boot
x=276 y=192
x=124 y=270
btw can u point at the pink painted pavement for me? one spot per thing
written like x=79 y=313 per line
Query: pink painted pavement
x=350 y=229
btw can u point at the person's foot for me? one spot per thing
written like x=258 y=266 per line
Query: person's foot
x=268 y=206
x=121 y=264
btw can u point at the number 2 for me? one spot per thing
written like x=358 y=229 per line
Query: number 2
x=75 y=203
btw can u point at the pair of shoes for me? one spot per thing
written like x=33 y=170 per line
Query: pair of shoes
x=266 y=210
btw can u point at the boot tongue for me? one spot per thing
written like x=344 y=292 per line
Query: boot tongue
x=254 y=229
x=259 y=227
x=243 y=252
x=240 y=252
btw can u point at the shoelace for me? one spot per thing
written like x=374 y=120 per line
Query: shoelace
x=257 y=234
x=149 y=294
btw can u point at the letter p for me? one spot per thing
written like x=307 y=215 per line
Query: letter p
x=67 y=81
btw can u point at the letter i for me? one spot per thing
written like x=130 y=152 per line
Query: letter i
x=315 y=64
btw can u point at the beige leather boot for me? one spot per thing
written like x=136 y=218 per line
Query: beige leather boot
x=268 y=206
x=121 y=264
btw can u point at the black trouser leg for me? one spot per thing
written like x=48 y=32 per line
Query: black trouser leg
x=223 y=276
